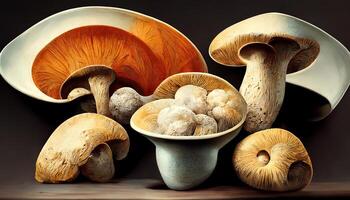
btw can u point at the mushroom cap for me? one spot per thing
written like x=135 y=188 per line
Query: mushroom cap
x=225 y=47
x=145 y=118
x=273 y=160
x=79 y=79
x=71 y=144
x=130 y=53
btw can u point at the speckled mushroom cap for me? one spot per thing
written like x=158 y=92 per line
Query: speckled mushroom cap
x=330 y=64
x=70 y=145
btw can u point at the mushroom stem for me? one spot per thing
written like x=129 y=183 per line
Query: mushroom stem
x=99 y=86
x=263 y=84
x=99 y=166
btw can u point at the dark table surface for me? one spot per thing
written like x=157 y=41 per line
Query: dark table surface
x=26 y=123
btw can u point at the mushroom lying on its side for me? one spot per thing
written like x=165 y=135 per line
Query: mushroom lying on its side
x=80 y=143
x=273 y=160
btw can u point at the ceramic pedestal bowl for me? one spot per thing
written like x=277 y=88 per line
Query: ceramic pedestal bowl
x=140 y=49
x=186 y=161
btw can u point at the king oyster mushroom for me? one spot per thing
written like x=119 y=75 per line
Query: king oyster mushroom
x=268 y=54
x=273 y=160
x=83 y=143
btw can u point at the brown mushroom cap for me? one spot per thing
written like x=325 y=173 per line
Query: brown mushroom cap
x=273 y=160
x=226 y=50
x=71 y=144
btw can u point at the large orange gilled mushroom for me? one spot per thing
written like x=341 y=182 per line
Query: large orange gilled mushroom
x=86 y=60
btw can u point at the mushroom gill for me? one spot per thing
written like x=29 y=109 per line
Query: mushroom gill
x=273 y=160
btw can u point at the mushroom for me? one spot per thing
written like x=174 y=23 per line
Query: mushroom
x=168 y=89
x=99 y=166
x=268 y=56
x=223 y=107
x=273 y=160
x=148 y=118
x=124 y=102
x=205 y=125
x=133 y=59
x=79 y=143
x=176 y=120
x=193 y=97
x=94 y=79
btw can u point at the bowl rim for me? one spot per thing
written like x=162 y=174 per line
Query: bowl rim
x=192 y=137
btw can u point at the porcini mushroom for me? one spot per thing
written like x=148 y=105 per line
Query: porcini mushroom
x=273 y=160
x=268 y=55
x=78 y=143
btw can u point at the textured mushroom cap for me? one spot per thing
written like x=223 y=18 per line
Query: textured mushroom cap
x=205 y=125
x=70 y=145
x=123 y=103
x=176 y=120
x=263 y=29
x=193 y=97
x=79 y=79
x=226 y=52
x=273 y=160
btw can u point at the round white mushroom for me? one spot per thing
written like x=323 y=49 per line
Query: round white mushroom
x=176 y=120
x=193 y=97
x=205 y=125
x=223 y=109
x=123 y=103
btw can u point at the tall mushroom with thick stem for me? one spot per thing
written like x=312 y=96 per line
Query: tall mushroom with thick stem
x=93 y=79
x=268 y=57
x=85 y=143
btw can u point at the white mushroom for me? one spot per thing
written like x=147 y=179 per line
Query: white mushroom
x=124 y=102
x=193 y=97
x=205 y=125
x=223 y=109
x=176 y=120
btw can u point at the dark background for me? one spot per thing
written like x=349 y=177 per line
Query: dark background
x=25 y=123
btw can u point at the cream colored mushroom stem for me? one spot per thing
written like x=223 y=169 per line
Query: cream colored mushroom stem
x=99 y=166
x=99 y=87
x=263 y=85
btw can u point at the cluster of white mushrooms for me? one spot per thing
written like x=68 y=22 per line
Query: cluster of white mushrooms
x=197 y=112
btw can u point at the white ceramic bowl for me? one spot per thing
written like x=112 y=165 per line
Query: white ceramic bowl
x=17 y=57
x=328 y=75
x=185 y=161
